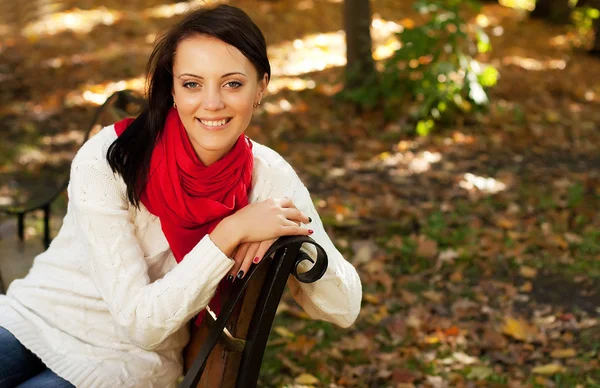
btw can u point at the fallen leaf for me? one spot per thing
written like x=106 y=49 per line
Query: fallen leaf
x=573 y=238
x=563 y=353
x=494 y=340
x=526 y=287
x=284 y=332
x=452 y=331
x=548 y=369
x=505 y=223
x=426 y=247
x=520 y=330
x=371 y=298
x=528 y=272
x=403 y=376
x=408 y=297
x=479 y=373
x=301 y=344
x=306 y=378
x=433 y=296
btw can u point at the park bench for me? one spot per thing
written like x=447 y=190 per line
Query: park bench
x=224 y=351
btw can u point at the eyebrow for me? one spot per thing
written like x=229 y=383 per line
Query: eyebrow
x=223 y=76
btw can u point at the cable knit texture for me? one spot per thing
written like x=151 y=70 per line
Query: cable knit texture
x=107 y=305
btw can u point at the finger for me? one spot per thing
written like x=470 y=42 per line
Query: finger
x=294 y=214
x=247 y=262
x=285 y=202
x=240 y=254
x=262 y=249
x=292 y=229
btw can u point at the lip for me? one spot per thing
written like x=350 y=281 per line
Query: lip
x=215 y=128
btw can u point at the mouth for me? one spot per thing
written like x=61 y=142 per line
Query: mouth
x=214 y=125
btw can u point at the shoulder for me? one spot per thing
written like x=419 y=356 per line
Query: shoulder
x=91 y=175
x=272 y=174
x=94 y=150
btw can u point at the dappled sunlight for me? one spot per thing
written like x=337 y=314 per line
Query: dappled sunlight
x=280 y=106
x=408 y=163
x=64 y=138
x=317 y=52
x=314 y=52
x=77 y=20
x=111 y=51
x=534 y=64
x=488 y=185
x=97 y=94
x=291 y=83
x=169 y=10
x=528 y=5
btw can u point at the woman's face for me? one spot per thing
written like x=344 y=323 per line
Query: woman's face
x=214 y=88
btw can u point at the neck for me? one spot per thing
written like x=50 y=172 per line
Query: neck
x=208 y=157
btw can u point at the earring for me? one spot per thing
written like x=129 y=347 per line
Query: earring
x=174 y=105
x=256 y=105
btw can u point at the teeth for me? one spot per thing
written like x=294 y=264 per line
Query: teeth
x=214 y=123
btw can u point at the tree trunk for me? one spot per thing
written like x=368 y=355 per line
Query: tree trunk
x=357 y=23
x=556 y=11
x=596 y=48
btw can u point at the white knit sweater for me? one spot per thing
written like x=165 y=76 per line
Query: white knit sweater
x=106 y=305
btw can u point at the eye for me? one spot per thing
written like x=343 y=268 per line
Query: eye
x=190 y=85
x=234 y=84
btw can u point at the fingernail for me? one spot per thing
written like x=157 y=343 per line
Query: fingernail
x=230 y=278
x=256 y=260
x=309 y=220
x=310 y=231
x=240 y=274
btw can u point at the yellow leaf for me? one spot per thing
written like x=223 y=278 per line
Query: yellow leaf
x=526 y=287
x=560 y=242
x=505 y=223
x=282 y=331
x=563 y=353
x=520 y=329
x=549 y=369
x=527 y=272
x=433 y=296
x=306 y=378
x=371 y=298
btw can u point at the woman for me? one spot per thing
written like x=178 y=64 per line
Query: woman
x=162 y=209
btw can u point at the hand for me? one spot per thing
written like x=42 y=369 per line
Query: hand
x=269 y=220
x=247 y=254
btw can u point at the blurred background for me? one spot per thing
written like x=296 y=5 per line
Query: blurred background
x=451 y=148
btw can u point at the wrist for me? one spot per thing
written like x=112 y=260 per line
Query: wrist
x=226 y=236
x=233 y=229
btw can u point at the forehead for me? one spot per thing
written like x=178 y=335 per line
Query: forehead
x=207 y=56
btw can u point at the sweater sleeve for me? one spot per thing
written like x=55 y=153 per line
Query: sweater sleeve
x=336 y=297
x=150 y=312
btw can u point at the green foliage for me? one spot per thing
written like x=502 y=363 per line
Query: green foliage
x=583 y=24
x=433 y=69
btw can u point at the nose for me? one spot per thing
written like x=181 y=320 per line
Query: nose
x=212 y=99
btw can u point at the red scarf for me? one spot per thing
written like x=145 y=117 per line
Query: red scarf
x=189 y=198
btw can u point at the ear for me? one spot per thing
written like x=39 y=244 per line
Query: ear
x=262 y=87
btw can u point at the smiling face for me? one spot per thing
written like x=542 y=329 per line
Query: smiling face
x=214 y=87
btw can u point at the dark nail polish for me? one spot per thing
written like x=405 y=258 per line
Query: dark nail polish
x=309 y=220
x=240 y=274
x=310 y=231
x=230 y=278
